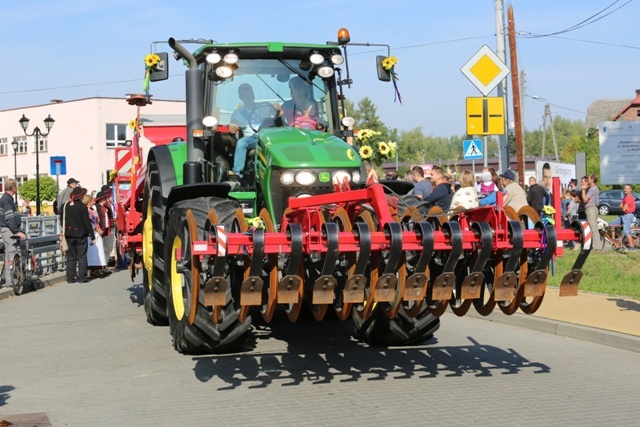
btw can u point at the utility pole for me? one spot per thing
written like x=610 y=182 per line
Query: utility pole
x=553 y=133
x=523 y=83
x=503 y=140
x=544 y=130
x=515 y=84
x=547 y=112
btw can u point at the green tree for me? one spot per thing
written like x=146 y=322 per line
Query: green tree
x=366 y=117
x=48 y=189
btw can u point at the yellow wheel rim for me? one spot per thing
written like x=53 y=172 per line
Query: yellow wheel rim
x=147 y=244
x=176 y=280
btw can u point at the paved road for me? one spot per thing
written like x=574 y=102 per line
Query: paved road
x=83 y=355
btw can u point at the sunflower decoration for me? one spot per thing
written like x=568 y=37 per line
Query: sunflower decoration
x=151 y=61
x=371 y=149
x=133 y=124
x=389 y=64
x=547 y=215
x=255 y=223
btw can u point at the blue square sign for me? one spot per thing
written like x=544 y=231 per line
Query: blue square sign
x=472 y=149
x=58 y=165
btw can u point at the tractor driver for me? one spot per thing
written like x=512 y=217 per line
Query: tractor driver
x=240 y=120
x=301 y=111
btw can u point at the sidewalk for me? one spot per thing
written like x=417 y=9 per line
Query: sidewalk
x=603 y=319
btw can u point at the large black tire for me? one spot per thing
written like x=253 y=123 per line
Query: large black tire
x=203 y=336
x=378 y=329
x=154 y=293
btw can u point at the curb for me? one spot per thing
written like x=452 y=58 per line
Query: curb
x=50 y=280
x=565 y=329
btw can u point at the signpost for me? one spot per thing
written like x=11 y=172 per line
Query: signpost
x=472 y=150
x=485 y=116
x=58 y=165
x=485 y=70
x=619 y=152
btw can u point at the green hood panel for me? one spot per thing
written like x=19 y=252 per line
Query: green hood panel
x=301 y=148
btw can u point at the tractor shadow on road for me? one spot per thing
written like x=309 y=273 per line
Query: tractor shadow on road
x=626 y=304
x=322 y=353
x=136 y=294
x=5 y=393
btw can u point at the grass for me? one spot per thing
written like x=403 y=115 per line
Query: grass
x=607 y=272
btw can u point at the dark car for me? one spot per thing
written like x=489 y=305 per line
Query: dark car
x=610 y=201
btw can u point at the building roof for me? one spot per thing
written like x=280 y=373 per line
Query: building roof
x=602 y=110
x=635 y=103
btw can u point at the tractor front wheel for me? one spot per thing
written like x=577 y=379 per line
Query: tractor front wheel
x=190 y=321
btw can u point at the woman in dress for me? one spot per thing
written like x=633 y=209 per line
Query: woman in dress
x=95 y=254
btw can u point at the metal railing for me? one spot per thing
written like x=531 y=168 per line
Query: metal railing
x=43 y=234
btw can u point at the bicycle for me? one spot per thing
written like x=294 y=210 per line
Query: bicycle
x=23 y=266
x=609 y=234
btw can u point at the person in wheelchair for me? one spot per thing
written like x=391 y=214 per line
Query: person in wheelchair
x=247 y=119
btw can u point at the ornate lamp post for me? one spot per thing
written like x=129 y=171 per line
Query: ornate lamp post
x=48 y=123
x=14 y=144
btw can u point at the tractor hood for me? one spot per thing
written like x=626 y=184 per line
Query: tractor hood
x=300 y=148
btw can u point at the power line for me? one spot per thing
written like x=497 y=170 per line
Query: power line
x=588 y=21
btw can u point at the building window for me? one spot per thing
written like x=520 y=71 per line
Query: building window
x=638 y=112
x=22 y=145
x=4 y=147
x=43 y=144
x=116 y=134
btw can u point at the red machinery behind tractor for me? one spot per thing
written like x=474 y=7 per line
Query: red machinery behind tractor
x=351 y=247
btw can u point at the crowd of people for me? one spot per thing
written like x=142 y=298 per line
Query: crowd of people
x=88 y=228
x=462 y=191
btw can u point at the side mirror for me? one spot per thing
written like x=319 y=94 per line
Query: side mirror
x=161 y=70
x=383 y=75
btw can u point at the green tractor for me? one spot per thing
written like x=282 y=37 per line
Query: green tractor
x=191 y=186
x=266 y=207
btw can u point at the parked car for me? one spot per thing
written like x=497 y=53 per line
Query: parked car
x=610 y=202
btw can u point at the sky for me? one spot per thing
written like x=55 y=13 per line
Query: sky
x=78 y=49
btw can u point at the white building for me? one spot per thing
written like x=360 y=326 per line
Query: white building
x=85 y=133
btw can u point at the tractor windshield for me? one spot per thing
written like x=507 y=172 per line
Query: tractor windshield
x=302 y=98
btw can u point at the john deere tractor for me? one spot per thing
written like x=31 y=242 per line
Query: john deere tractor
x=298 y=224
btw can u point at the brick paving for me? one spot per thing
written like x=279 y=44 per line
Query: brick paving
x=85 y=356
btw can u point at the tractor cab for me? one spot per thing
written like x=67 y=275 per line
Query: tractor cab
x=252 y=90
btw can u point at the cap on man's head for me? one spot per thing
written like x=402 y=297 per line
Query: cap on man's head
x=78 y=193
x=508 y=174
x=72 y=181
x=105 y=187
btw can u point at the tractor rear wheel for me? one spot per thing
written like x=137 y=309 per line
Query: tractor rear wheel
x=196 y=332
x=154 y=293
x=377 y=328
x=402 y=329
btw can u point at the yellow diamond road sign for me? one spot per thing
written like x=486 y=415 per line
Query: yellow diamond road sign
x=485 y=70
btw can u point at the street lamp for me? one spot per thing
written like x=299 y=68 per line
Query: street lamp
x=14 y=144
x=48 y=123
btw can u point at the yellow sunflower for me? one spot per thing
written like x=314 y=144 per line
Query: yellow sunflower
x=132 y=123
x=548 y=210
x=151 y=59
x=350 y=154
x=255 y=222
x=383 y=148
x=389 y=62
x=366 y=152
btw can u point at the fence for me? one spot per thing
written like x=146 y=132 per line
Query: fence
x=43 y=234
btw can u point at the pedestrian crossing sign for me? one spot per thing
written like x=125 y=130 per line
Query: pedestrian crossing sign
x=472 y=149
